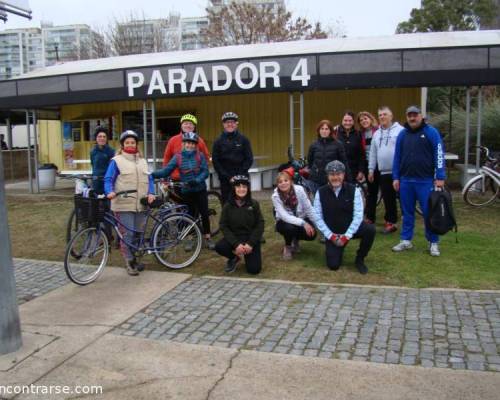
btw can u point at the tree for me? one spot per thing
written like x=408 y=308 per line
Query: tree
x=138 y=35
x=449 y=15
x=245 y=23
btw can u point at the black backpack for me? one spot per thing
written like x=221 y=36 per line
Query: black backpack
x=441 y=218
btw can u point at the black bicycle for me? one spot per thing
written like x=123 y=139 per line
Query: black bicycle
x=171 y=195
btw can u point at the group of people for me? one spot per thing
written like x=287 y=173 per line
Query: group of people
x=408 y=160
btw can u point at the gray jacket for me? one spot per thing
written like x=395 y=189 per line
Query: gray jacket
x=382 y=148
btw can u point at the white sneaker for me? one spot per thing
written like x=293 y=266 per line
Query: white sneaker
x=434 y=250
x=402 y=246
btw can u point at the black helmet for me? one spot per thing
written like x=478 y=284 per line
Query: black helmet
x=229 y=116
x=128 y=134
x=190 y=137
x=335 y=167
x=240 y=180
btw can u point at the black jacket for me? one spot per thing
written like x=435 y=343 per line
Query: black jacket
x=243 y=224
x=354 y=149
x=232 y=155
x=321 y=152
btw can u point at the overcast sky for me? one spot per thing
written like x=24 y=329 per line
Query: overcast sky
x=357 y=17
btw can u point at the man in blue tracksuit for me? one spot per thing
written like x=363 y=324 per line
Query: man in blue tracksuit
x=418 y=166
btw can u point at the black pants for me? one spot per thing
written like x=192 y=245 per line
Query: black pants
x=253 y=261
x=334 y=254
x=197 y=202
x=389 y=196
x=372 y=197
x=225 y=189
x=290 y=232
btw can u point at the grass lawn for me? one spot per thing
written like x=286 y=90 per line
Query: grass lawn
x=37 y=228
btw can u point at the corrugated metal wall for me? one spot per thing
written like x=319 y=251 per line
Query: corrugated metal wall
x=264 y=118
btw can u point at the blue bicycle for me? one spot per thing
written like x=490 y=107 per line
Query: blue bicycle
x=174 y=237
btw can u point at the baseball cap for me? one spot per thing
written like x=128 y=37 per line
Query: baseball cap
x=413 y=109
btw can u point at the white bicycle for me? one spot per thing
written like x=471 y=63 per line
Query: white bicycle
x=484 y=189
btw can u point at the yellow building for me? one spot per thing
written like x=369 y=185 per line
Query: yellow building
x=279 y=90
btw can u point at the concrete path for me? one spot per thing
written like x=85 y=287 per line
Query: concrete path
x=102 y=335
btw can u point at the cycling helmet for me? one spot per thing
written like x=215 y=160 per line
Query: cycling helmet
x=190 y=137
x=335 y=167
x=240 y=180
x=128 y=134
x=190 y=118
x=229 y=116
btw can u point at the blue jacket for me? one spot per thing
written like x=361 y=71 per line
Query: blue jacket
x=100 y=158
x=419 y=154
x=192 y=168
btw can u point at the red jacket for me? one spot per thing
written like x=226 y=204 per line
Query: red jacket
x=174 y=146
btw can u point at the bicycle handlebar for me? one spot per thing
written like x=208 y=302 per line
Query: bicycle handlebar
x=486 y=152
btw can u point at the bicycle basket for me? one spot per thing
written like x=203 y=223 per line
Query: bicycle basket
x=90 y=209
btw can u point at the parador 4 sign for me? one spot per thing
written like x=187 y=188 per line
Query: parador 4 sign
x=215 y=78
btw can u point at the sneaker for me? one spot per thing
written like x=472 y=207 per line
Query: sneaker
x=231 y=264
x=360 y=265
x=434 y=250
x=389 y=228
x=402 y=246
x=295 y=246
x=287 y=253
x=131 y=269
x=209 y=244
x=138 y=265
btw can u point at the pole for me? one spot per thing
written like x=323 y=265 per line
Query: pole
x=292 y=119
x=479 y=120
x=302 y=124
x=153 y=132
x=30 y=175
x=10 y=141
x=467 y=136
x=145 y=128
x=450 y=128
x=10 y=326
x=35 y=131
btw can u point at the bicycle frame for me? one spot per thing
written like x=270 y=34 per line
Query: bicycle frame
x=491 y=173
x=112 y=221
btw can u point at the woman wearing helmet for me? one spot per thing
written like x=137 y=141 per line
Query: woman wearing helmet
x=128 y=170
x=189 y=123
x=193 y=171
x=231 y=153
x=242 y=225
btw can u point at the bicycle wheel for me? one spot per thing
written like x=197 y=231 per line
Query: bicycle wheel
x=480 y=191
x=214 y=211
x=177 y=241
x=86 y=255
x=72 y=226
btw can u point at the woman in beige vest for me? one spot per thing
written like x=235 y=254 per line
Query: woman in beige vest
x=128 y=170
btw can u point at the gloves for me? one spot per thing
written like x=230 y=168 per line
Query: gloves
x=192 y=183
x=339 y=240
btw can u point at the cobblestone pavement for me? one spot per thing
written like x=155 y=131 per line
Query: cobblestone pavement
x=448 y=329
x=35 y=278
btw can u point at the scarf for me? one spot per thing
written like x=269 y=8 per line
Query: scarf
x=289 y=199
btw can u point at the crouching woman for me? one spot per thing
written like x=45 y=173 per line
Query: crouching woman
x=294 y=214
x=242 y=226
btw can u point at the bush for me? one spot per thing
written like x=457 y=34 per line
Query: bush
x=490 y=127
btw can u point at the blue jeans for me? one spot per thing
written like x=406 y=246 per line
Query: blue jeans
x=132 y=220
x=409 y=193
